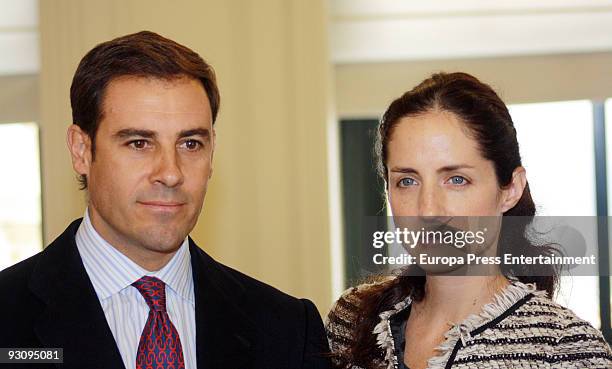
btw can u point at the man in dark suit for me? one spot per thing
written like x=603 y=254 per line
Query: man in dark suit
x=125 y=287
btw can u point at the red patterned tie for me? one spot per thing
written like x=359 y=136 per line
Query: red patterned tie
x=160 y=345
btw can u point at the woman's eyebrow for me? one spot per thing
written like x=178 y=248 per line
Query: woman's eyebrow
x=450 y=168
x=404 y=170
x=444 y=169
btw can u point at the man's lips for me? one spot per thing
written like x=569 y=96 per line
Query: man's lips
x=162 y=205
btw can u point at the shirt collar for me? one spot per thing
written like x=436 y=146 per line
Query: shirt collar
x=111 y=271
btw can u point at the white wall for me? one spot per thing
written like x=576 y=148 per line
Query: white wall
x=18 y=37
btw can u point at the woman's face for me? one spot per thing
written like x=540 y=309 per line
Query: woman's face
x=438 y=180
x=436 y=170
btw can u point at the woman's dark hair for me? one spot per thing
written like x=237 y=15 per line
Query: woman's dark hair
x=487 y=119
x=143 y=54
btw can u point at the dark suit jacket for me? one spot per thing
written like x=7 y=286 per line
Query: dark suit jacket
x=49 y=301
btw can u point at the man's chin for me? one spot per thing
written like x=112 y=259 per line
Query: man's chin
x=162 y=239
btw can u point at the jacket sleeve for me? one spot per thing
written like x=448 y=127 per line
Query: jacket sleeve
x=316 y=349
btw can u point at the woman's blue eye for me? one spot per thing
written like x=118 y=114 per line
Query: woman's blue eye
x=405 y=182
x=458 y=180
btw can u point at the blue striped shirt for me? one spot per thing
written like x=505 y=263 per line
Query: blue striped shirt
x=126 y=311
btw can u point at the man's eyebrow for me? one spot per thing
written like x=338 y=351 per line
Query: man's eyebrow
x=448 y=168
x=134 y=132
x=145 y=133
x=204 y=132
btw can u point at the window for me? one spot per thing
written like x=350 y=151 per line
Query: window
x=561 y=174
x=20 y=195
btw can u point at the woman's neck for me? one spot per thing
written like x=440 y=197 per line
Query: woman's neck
x=453 y=298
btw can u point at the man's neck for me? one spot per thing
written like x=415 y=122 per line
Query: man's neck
x=147 y=259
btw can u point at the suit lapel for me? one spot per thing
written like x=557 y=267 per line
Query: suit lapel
x=224 y=333
x=73 y=318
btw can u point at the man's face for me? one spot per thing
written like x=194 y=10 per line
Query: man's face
x=153 y=159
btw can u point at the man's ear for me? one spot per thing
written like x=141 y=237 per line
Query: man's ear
x=512 y=193
x=79 y=145
x=212 y=154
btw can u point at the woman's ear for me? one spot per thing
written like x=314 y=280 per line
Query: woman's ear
x=79 y=146
x=512 y=193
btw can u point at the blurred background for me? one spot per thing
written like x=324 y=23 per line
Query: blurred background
x=303 y=83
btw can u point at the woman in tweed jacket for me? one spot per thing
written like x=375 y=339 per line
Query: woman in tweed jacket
x=448 y=149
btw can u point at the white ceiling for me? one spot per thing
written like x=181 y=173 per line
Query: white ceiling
x=395 y=30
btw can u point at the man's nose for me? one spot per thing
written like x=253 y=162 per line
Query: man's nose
x=168 y=169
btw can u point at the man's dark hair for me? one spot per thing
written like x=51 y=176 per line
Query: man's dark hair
x=142 y=54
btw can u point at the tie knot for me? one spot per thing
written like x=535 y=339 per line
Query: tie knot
x=154 y=292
